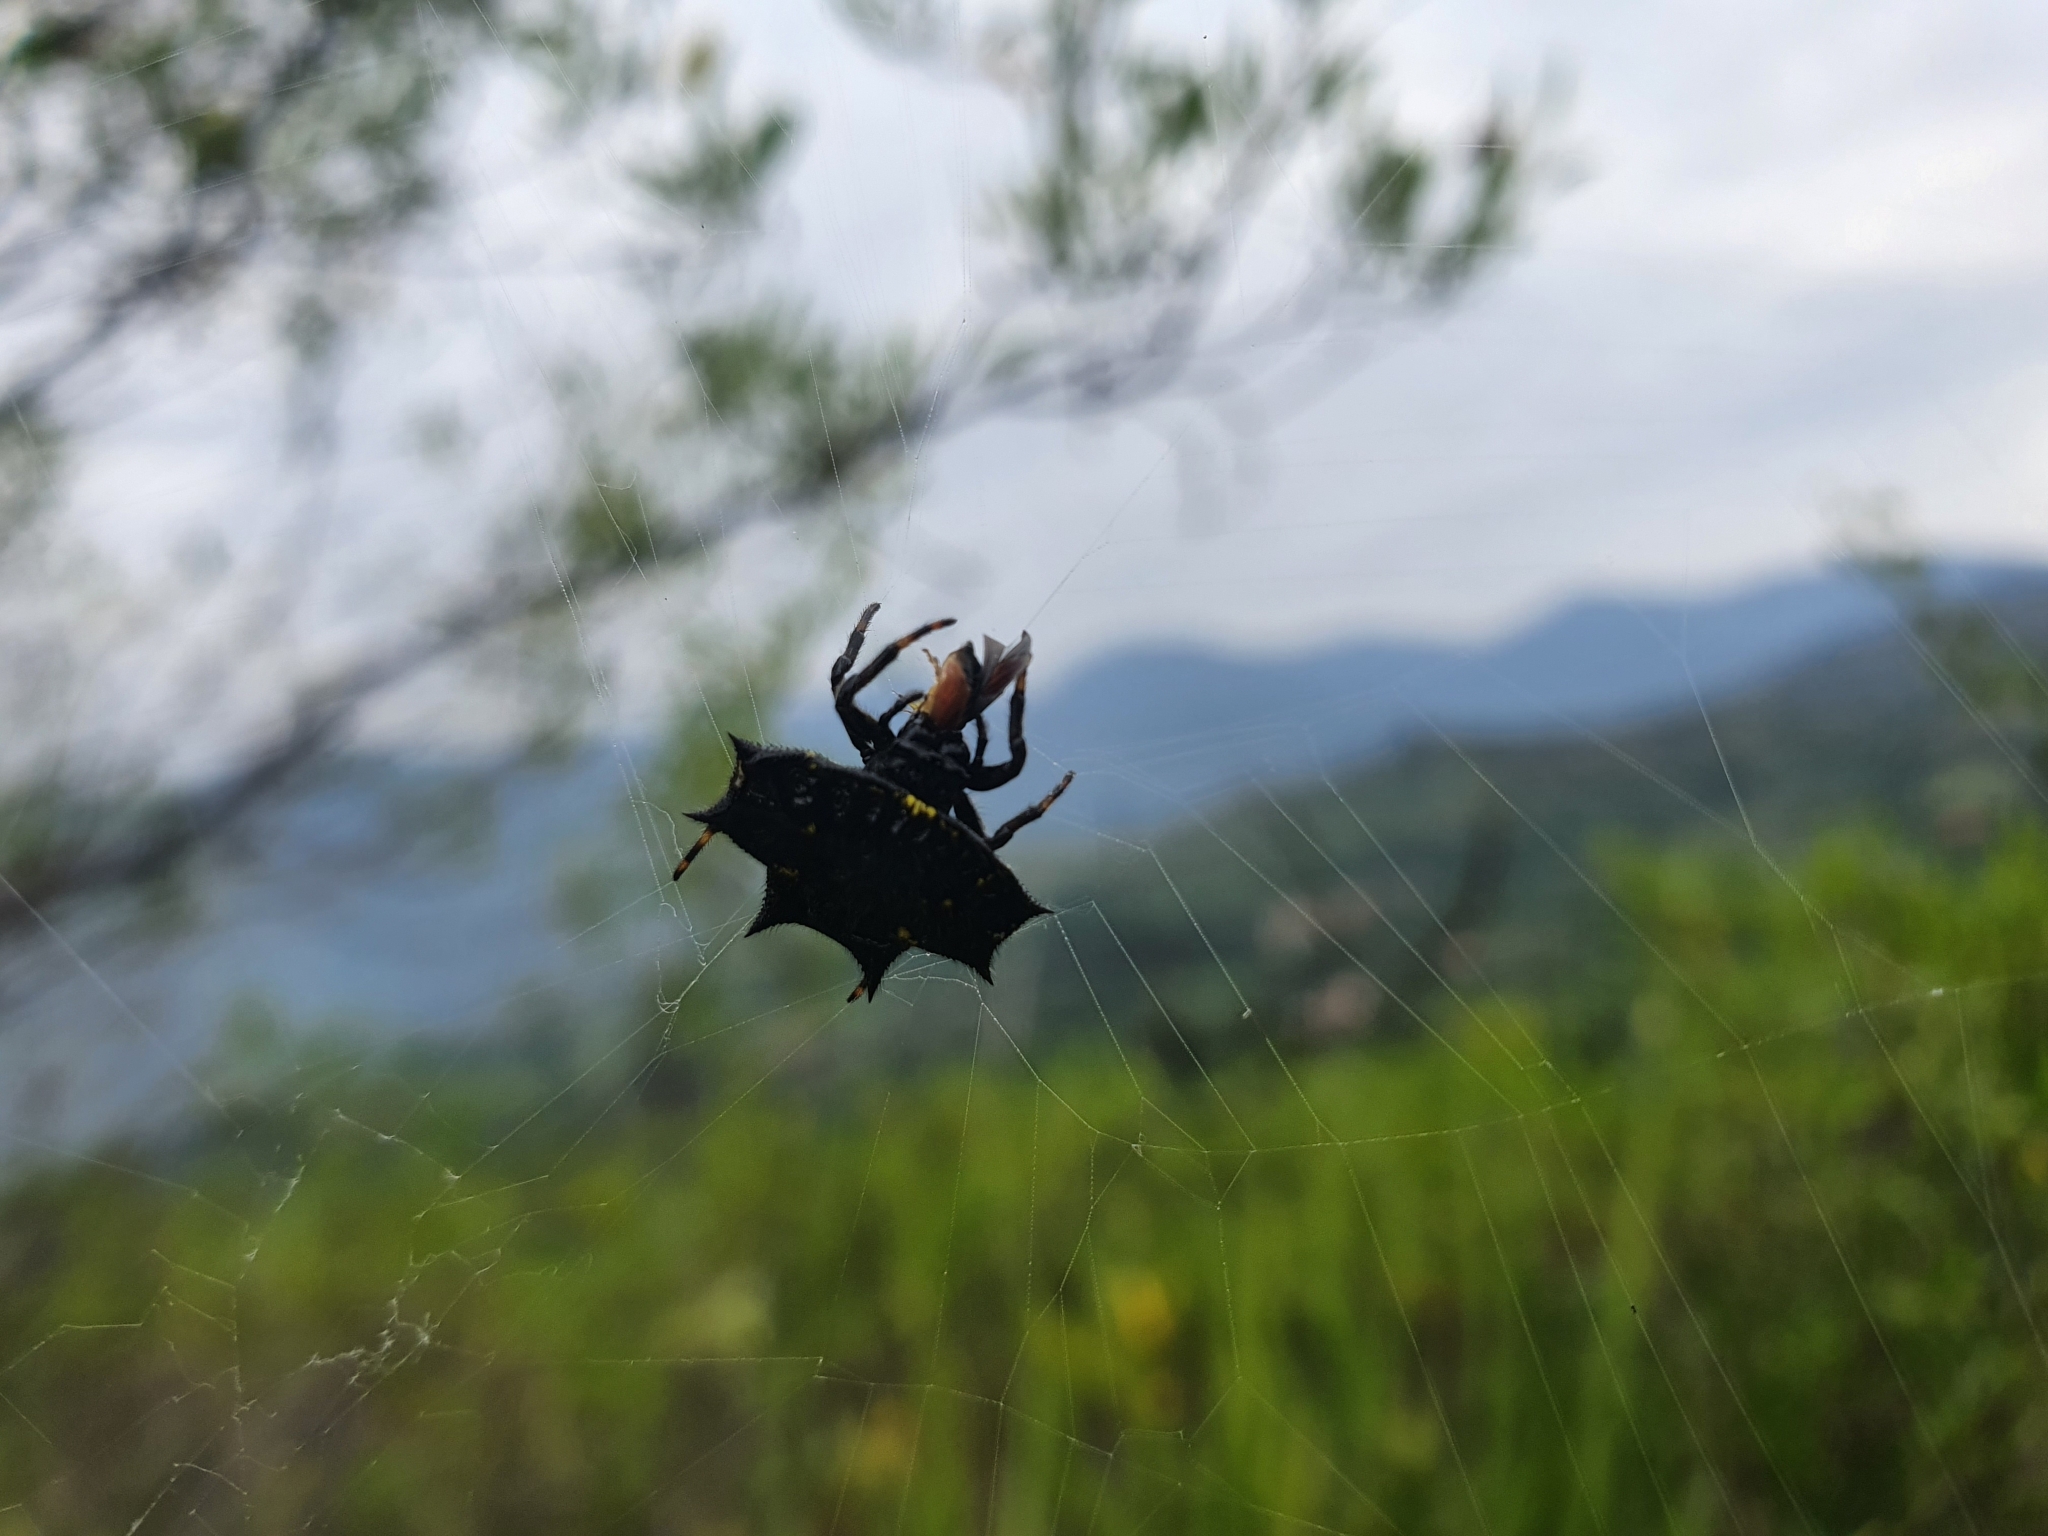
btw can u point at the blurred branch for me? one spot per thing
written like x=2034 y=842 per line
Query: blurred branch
x=1150 y=167
x=56 y=845
x=206 y=129
x=1122 y=235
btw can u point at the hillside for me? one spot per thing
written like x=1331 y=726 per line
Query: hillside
x=1297 y=885
x=1152 y=729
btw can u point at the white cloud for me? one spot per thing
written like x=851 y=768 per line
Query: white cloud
x=1808 y=253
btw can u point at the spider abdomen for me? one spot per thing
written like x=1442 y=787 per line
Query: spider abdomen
x=866 y=862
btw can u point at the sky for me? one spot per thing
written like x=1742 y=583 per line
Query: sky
x=1782 y=258
x=1795 y=255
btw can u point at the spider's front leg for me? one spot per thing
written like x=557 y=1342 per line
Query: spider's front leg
x=981 y=777
x=844 y=664
x=868 y=733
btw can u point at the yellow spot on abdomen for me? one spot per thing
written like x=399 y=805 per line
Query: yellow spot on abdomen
x=917 y=807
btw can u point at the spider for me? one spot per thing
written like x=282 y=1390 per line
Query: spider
x=891 y=855
x=928 y=756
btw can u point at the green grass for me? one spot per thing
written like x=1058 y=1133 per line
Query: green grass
x=1775 y=1261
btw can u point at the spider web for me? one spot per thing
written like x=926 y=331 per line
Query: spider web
x=1151 y=1234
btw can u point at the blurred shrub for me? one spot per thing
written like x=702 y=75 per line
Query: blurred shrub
x=1779 y=1265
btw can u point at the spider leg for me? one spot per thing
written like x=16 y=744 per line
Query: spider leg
x=984 y=778
x=980 y=741
x=910 y=697
x=844 y=664
x=867 y=734
x=844 y=687
x=695 y=848
x=1028 y=815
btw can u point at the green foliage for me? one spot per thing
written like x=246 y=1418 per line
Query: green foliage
x=1973 y=647
x=54 y=39
x=48 y=828
x=30 y=453
x=759 y=359
x=1779 y=1265
x=1140 y=145
x=268 y=87
x=218 y=144
x=1383 y=194
x=1150 y=158
x=39 y=829
x=724 y=169
x=821 y=416
x=1179 y=107
x=609 y=524
x=1393 y=230
x=724 y=174
x=1486 y=222
x=866 y=408
x=788 y=412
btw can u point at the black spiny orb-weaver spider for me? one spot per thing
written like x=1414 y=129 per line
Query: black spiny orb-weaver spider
x=890 y=856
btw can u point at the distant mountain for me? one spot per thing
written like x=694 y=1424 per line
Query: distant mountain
x=358 y=899
x=1152 y=730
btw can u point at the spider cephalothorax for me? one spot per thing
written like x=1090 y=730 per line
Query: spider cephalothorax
x=890 y=856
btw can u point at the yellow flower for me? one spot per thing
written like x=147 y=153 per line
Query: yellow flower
x=1141 y=1309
